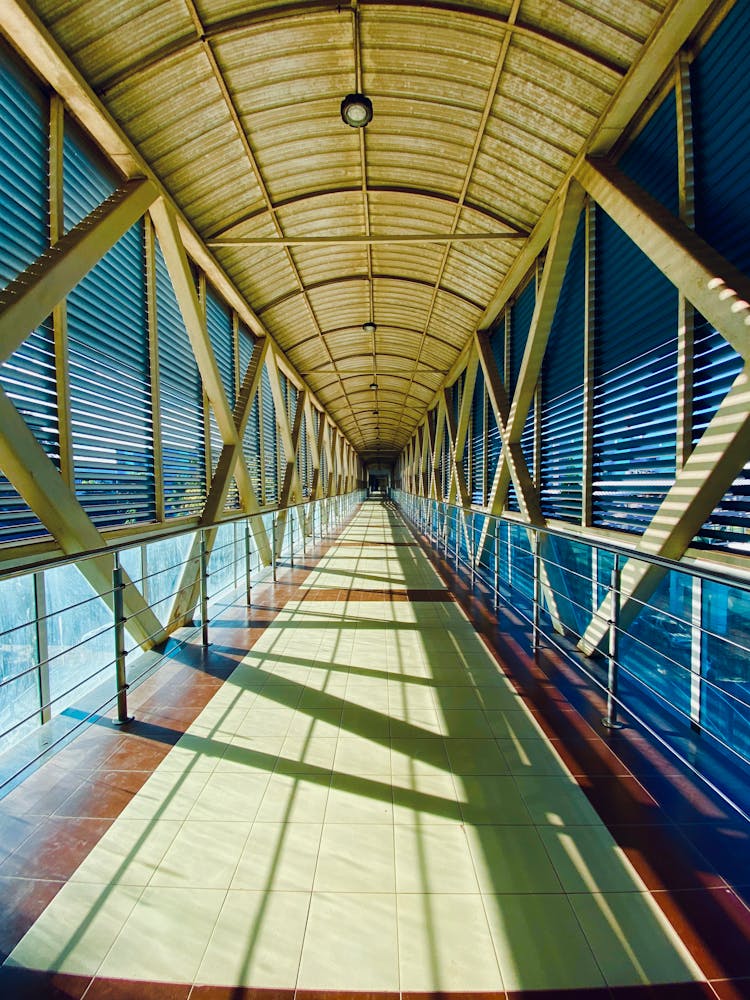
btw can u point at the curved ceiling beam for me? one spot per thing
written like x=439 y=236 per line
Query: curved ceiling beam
x=247 y=20
x=411 y=192
x=346 y=378
x=367 y=369
x=363 y=277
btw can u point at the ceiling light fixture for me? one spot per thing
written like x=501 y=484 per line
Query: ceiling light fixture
x=373 y=385
x=369 y=326
x=356 y=110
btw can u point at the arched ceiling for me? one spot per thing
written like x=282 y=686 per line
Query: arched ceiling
x=413 y=222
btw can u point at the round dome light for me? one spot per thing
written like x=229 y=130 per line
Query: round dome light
x=356 y=110
x=369 y=326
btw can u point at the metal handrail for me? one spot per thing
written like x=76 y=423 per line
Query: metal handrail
x=319 y=513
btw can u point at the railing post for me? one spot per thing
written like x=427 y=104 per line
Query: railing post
x=610 y=720
x=273 y=546
x=291 y=537
x=537 y=593
x=496 y=584
x=204 y=589
x=42 y=646
x=118 y=610
x=472 y=536
x=457 y=535
x=248 y=553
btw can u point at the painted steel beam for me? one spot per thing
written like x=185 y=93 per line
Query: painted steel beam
x=27 y=466
x=723 y=450
x=717 y=289
x=30 y=298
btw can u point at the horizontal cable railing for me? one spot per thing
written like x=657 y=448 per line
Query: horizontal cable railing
x=679 y=651
x=70 y=653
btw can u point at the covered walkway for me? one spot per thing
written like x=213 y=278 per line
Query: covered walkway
x=349 y=791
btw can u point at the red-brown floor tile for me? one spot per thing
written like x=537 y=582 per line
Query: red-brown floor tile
x=105 y=795
x=731 y=989
x=25 y=984
x=133 y=989
x=622 y=799
x=56 y=848
x=665 y=859
x=664 y=991
x=23 y=900
x=14 y=829
x=204 y=992
x=715 y=927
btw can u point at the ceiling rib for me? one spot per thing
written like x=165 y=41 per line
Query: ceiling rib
x=478 y=139
x=219 y=77
x=496 y=220
x=242 y=22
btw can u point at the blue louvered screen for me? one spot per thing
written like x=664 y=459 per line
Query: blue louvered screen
x=251 y=440
x=635 y=396
x=494 y=441
x=716 y=365
x=562 y=393
x=221 y=336
x=720 y=78
x=108 y=350
x=181 y=404
x=635 y=354
x=445 y=464
x=268 y=412
x=478 y=410
x=28 y=375
x=521 y=314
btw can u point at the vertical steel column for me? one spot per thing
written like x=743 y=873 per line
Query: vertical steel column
x=610 y=720
x=204 y=588
x=248 y=571
x=42 y=646
x=118 y=611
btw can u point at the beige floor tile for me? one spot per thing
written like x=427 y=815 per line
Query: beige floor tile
x=233 y=795
x=165 y=935
x=515 y=724
x=532 y=757
x=556 y=801
x=426 y=748
x=434 y=859
x=203 y=854
x=632 y=939
x=511 y=859
x=357 y=859
x=587 y=859
x=355 y=800
x=279 y=856
x=167 y=795
x=77 y=929
x=445 y=945
x=128 y=852
x=351 y=943
x=425 y=800
x=293 y=798
x=358 y=755
x=257 y=940
x=299 y=754
x=492 y=799
x=475 y=757
x=539 y=943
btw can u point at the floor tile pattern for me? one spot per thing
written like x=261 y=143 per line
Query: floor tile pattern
x=365 y=804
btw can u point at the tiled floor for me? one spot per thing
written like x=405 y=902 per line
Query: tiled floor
x=363 y=802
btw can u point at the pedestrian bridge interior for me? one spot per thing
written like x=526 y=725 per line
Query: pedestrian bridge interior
x=374 y=499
